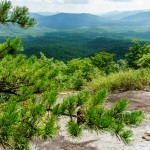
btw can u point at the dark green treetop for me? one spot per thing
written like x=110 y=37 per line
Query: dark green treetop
x=136 y=52
x=104 y=61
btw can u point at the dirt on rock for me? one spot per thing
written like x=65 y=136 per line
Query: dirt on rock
x=138 y=100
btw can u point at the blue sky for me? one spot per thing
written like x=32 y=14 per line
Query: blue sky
x=83 y=6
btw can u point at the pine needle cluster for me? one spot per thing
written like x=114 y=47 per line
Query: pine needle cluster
x=17 y=15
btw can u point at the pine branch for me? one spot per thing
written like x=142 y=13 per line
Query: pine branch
x=62 y=114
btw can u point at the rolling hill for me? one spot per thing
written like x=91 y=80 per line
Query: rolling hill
x=117 y=15
x=67 y=20
x=142 y=18
x=73 y=21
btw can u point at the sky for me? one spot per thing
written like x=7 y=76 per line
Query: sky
x=83 y=6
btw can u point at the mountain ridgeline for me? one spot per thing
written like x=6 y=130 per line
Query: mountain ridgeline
x=71 y=21
x=142 y=18
x=65 y=36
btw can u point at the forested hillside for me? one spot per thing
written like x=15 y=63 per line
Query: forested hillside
x=82 y=36
x=68 y=44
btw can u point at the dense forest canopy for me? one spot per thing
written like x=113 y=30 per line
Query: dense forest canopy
x=69 y=44
x=29 y=88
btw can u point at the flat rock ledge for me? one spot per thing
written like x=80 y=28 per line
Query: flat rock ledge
x=138 y=100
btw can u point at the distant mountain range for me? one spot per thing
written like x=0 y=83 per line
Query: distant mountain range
x=47 y=13
x=142 y=18
x=71 y=21
x=67 y=21
x=117 y=15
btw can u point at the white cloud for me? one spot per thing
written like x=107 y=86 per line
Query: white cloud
x=64 y=1
x=87 y=6
x=54 y=1
x=76 y=1
x=121 y=0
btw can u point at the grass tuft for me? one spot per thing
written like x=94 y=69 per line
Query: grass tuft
x=122 y=81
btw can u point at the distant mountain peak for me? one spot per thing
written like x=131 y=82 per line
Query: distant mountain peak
x=79 y=20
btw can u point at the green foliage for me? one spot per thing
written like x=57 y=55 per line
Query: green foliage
x=136 y=116
x=29 y=89
x=123 y=80
x=74 y=129
x=19 y=124
x=5 y=6
x=82 y=98
x=126 y=136
x=80 y=72
x=19 y=15
x=136 y=52
x=98 y=118
x=121 y=65
x=99 y=98
x=51 y=128
x=101 y=119
x=67 y=44
x=29 y=107
x=119 y=107
x=50 y=98
x=104 y=61
x=38 y=74
x=11 y=46
x=144 y=61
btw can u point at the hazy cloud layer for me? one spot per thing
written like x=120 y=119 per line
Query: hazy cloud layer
x=83 y=6
x=66 y=1
x=76 y=1
x=121 y=0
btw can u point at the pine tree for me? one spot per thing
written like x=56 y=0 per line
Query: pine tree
x=18 y=15
x=136 y=52
x=10 y=47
